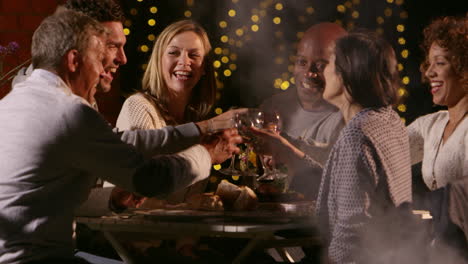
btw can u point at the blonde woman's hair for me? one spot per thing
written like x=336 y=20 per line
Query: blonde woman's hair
x=155 y=88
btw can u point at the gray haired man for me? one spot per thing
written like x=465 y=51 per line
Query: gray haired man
x=54 y=145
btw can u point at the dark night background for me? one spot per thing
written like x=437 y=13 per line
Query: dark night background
x=257 y=60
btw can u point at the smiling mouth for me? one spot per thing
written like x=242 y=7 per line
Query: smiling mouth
x=182 y=75
x=435 y=86
x=109 y=73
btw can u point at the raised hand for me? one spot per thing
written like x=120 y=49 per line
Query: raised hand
x=219 y=122
x=222 y=145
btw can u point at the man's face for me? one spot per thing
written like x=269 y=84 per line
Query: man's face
x=115 y=54
x=90 y=68
x=311 y=59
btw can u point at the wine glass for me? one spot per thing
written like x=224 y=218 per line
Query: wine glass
x=272 y=123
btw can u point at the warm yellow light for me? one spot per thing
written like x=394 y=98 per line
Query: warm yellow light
x=279 y=6
x=388 y=12
x=126 y=31
x=406 y=80
x=292 y=80
x=218 y=111
x=152 y=22
x=224 y=59
x=235 y=1
x=153 y=9
x=133 y=11
x=233 y=67
x=233 y=56
x=389 y=1
x=224 y=39
x=341 y=8
x=290 y=68
x=403 y=120
x=225 y=51
x=348 y=4
x=339 y=22
x=299 y=34
x=218 y=50
x=405 y=53
x=254 y=28
x=144 y=66
x=235 y=177
x=399 y=2
x=254 y=18
x=151 y=37
x=277 y=83
x=401 y=92
x=239 y=32
x=356 y=2
x=400 y=27
x=262 y=13
x=190 y=2
x=277 y=20
x=222 y=24
x=144 y=48
x=279 y=60
x=140 y=0
x=214 y=179
x=232 y=13
x=219 y=84
x=310 y=10
x=355 y=14
x=402 y=108
x=216 y=74
x=216 y=64
x=216 y=167
x=231 y=42
x=188 y=13
x=400 y=67
x=401 y=41
x=380 y=20
x=128 y=23
x=285 y=85
x=227 y=73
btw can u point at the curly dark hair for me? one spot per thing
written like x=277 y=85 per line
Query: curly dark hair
x=451 y=33
x=101 y=10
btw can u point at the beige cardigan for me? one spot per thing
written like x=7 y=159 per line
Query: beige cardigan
x=139 y=113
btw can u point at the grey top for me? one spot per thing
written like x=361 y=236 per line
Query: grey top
x=53 y=146
x=367 y=174
x=313 y=132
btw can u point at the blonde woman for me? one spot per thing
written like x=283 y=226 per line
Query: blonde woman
x=178 y=87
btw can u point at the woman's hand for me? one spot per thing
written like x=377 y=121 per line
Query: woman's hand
x=219 y=122
x=271 y=143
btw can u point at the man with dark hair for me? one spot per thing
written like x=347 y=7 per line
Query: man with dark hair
x=111 y=16
x=54 y=145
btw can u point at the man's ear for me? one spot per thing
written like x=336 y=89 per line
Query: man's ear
x=72 y=58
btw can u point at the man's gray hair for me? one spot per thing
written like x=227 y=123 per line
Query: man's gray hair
x=59 y=33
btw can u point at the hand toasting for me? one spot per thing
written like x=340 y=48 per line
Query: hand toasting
x=222 y=145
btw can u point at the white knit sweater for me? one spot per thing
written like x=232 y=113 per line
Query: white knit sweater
x=446 y=162
x=139 y=113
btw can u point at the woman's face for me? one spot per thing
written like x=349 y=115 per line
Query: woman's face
x=446 y=88
x=182 y=62
x=333 y=84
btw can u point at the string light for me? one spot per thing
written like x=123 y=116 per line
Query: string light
x=152 y=22
x=188 y=13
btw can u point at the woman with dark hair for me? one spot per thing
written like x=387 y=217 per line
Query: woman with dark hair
x=368 y=174
x=440 y=139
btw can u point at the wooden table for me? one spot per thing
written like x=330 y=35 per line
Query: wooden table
x=258 y=228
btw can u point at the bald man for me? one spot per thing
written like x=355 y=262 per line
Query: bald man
x=308 y=121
